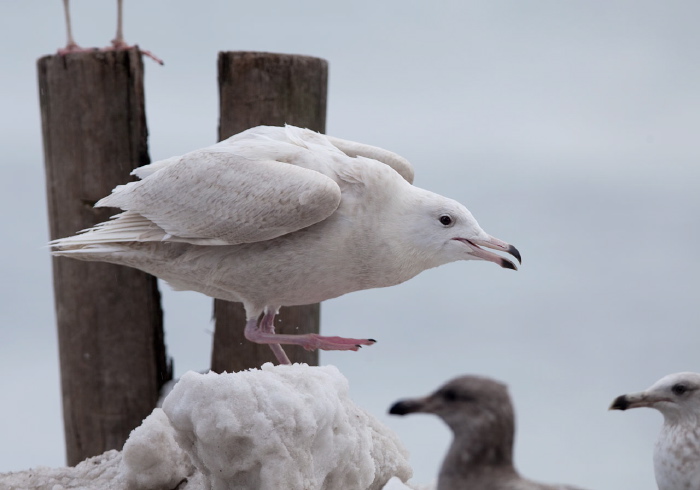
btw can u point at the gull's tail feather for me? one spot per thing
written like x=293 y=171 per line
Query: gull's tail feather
x=124 y=227
x=100 y=251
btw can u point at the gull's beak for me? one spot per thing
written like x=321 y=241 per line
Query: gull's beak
x=404 y=407
x=636 y=400
x=496 y=244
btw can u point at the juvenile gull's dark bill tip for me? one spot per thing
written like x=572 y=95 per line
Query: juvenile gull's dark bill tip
x=620 y=403
x=507 y=264
x=515 y=253
x=402 y=407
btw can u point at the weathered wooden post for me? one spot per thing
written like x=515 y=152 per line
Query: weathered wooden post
x=110 y=327
x=270 y=89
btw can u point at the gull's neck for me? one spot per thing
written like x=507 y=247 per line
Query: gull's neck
x=677 y=454
x=686 y=418
x=479 y=455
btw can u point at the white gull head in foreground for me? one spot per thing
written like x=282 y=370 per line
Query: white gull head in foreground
x=480 y=413
x=282 y=216
x=677 y=451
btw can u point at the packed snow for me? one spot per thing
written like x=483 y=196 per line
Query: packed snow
x=291 y=426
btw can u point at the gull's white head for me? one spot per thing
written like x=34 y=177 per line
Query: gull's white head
x=677 y=450
x=676 y=396
x=449 y=231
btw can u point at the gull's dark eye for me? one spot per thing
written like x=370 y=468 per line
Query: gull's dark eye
x=452 y=395
x=679 y=389
x=449 y=395
x=446 y=220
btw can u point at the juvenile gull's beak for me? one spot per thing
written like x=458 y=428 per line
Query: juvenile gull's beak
x=636 y=400
x=496 y=244
x=404 y=407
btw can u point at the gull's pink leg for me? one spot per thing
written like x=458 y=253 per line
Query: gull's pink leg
x=267 y=325
x=118 y=42
x=264 y=334
x=71 y=45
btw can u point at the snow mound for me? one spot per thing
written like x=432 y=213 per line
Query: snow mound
x=97 y=473
x=151 y=458
x=396 y=484
x=282 y=427
x=291 y=427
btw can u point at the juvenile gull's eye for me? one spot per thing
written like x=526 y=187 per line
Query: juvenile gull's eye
x=679 y=389
x=449 y=395
x=446 y=219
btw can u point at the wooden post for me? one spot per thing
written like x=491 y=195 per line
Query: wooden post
x=110 y=328
x=266 y=89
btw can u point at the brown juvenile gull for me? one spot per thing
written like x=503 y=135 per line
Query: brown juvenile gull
x=118 y=42
x=281 y=216
x=480 y=413
x=677 y=451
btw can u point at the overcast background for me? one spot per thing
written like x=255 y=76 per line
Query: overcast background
x=569 y=128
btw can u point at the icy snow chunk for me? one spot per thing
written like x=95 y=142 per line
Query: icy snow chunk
x=396 y=484
x=287 y=427
x=97 y=473
x=151 y=458
x=282 y=427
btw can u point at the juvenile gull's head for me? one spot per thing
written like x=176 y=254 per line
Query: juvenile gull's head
x=676 y=396
x=480 y=413
x=677 y=449
x=477 y=409
x=459 y=400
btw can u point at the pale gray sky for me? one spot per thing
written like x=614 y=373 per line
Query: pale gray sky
x=569 y=129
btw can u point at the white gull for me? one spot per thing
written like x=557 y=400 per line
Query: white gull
x=677 y=451
x=281 y=216
x=480 y=413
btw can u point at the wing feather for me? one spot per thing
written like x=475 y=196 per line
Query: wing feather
x=397 y=162
x=216 y=196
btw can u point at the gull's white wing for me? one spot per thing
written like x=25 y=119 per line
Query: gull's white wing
x=216 y=197
x=397 y=162
x=291 y=140
x=259 y=184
